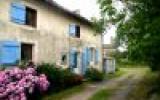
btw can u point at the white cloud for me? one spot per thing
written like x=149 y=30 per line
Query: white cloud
x=88 y=8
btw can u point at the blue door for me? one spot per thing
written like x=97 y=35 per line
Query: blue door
x=73 y=59
x=10 y=52
x=85 y=60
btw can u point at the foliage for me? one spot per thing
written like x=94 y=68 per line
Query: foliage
x=138 y=28
x=93 y=74
x=17 y=84
x=145 y=88
x=59 y=78
x=98 y=25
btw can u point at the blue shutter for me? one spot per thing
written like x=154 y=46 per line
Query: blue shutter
x=72 y=30
x=18 y=13
x=85 y=63
x=97 y=56
x=10 y=52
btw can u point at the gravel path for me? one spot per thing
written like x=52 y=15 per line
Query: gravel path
x=126 y=83
x=126 y=86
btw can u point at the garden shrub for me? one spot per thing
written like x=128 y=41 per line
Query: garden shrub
x=18 y=84
x=59 y=78
x=94 y=75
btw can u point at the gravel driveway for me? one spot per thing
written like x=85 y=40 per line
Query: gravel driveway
x=125 y=84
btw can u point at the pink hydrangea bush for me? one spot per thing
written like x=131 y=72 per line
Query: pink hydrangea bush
x=16 y=83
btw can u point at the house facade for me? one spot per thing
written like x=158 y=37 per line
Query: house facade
x=43 y=31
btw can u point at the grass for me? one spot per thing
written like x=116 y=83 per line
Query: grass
x=105 y=93
x=102 y=94
x=118 y=73
x=66 y=93
x=143 y=90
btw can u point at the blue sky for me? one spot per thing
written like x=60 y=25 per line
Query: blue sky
x=88 y=9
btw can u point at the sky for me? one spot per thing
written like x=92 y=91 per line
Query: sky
x=88 y=9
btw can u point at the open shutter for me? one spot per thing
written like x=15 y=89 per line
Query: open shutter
x=10 y=52
x=85 y=63
x=18 y=13
x=97 y=56
x=72 y=30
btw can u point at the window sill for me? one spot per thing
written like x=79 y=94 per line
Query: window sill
x=75 y=38
x=27 y=27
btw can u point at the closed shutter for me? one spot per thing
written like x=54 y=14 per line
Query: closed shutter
x=10 y=52
x=18 y=13
x=72 y=30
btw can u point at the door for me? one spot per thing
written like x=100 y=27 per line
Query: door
x=85 y=60
x=73 y=59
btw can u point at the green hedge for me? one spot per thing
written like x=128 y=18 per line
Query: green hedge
x=94 y=75
x=59 y=78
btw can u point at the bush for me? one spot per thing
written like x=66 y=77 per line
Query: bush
x=18 y=84
x=59 y=78
x=94 y=75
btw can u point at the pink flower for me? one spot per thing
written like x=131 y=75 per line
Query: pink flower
x=30 y=71
x=14 y=83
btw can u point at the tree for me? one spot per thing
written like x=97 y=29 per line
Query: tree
x=138 y=26
x=98 y=25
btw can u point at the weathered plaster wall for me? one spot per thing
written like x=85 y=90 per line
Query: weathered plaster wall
x=50 y=38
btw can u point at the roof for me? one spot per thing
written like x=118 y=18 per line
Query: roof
x=68 y=12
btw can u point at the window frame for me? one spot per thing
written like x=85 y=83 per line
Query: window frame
x=34 y=14
x=75 y=30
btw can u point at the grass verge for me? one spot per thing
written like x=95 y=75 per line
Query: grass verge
x=102 y=94
x=105 y=93
x=118 y=73
x=66 y=93
x=145 y=88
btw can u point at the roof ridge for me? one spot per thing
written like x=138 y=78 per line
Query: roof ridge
x=78 y=16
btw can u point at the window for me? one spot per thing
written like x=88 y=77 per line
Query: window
x=77 y=31
x=21 y=14
x=74 y=30
x=26 y=52
x=64 y=59
x=31 y=17
x=92 y=54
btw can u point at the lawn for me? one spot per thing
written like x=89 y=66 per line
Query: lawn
x=66 y=93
